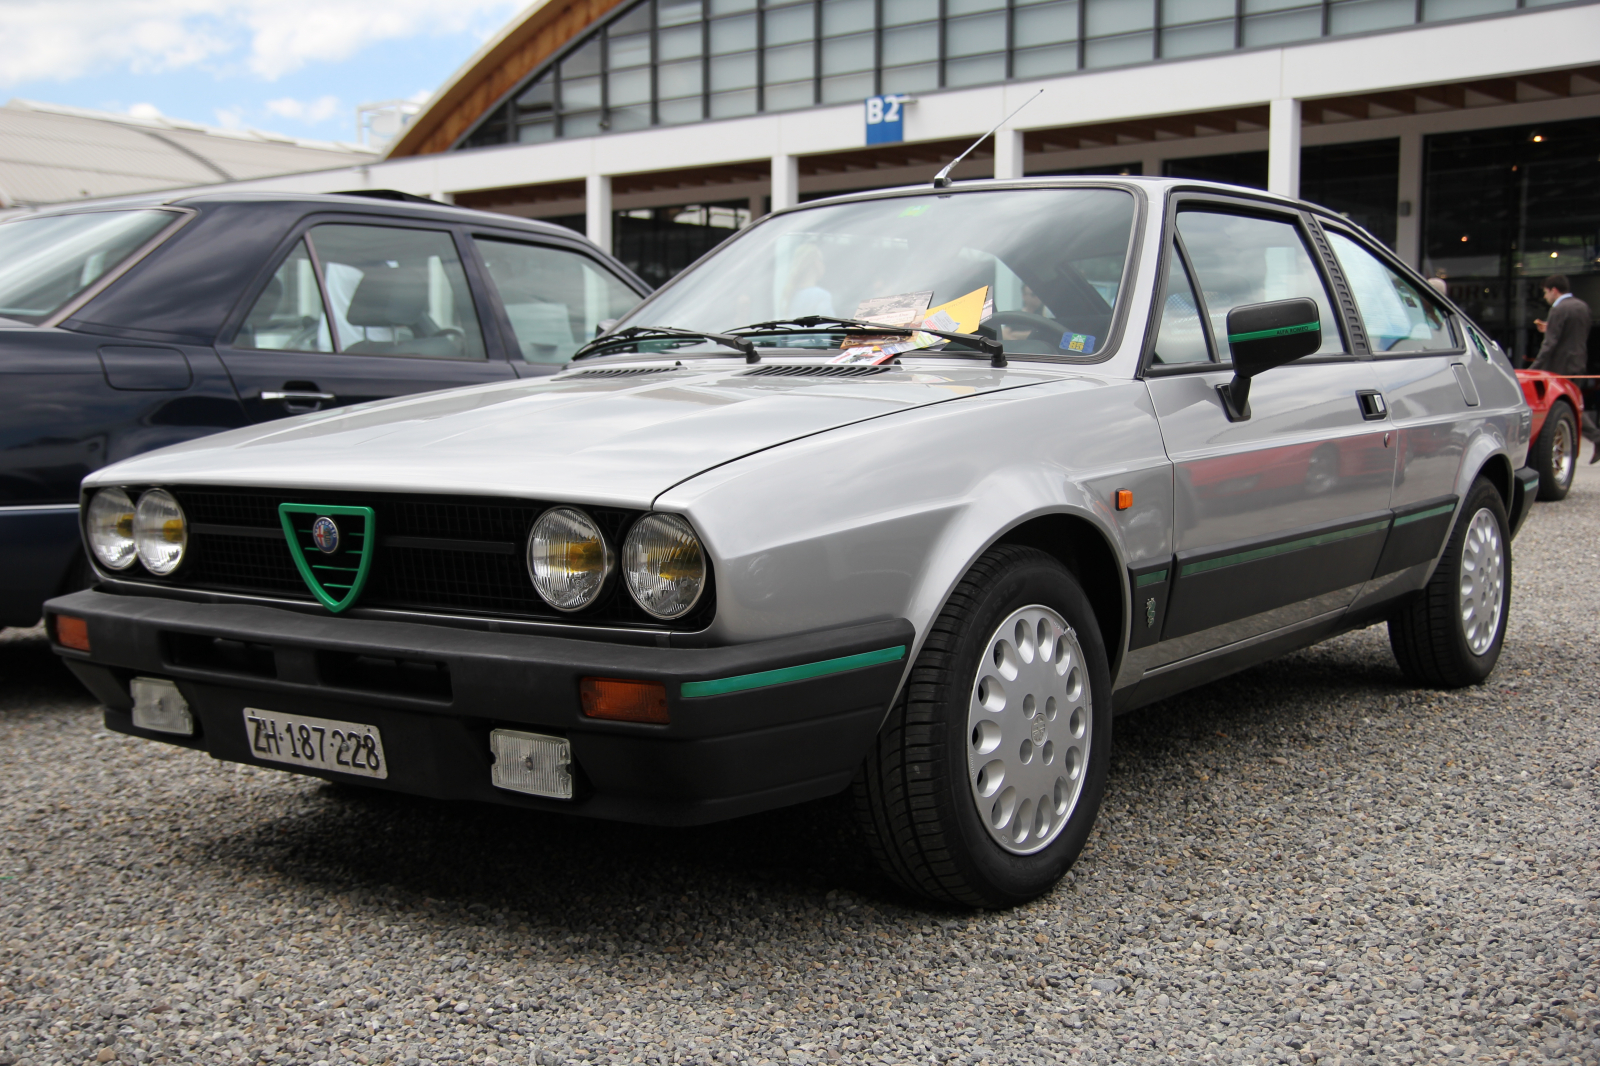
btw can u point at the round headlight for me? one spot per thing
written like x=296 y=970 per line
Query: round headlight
x=160 y=531
x=110 y=528
x=568 y=559
x=665 y=565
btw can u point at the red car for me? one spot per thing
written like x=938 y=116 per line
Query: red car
x=1557 y=410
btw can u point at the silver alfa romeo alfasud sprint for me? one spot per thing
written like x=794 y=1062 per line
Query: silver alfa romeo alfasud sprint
x=907 y=492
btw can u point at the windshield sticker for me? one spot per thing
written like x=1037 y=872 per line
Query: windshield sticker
x=1077 y=342
x=905 y=309
x=914 y=210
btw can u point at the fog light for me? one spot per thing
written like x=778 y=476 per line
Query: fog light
x=72 y=632
x=532 y=763
x=158 y=705
x=624 y=701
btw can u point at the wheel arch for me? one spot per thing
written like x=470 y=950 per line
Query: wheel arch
x=1083 y=548
x=1497 y=468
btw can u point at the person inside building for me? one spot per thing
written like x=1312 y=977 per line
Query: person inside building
x=1566 y=342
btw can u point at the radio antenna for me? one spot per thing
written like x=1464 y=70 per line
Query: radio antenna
x=942 y=179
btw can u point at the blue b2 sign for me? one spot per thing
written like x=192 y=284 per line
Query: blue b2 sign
x=886 y=119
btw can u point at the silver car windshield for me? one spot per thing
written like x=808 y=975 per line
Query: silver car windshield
x=1039 y=269
x=45 y=262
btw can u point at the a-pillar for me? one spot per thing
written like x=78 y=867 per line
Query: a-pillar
x=1408 y=226
x=1008 y=153
x=785 y=181
x=597 y=209
x=1283 y=148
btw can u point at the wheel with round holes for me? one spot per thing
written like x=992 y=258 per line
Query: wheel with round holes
x=984 y=782
x=1450 y=633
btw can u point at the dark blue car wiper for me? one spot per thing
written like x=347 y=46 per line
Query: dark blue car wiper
x=632 y=334
x=819 y=324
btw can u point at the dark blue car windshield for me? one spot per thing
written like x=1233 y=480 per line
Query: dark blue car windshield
x=45 y=262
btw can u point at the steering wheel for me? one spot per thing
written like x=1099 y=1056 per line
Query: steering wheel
x=1048 y=329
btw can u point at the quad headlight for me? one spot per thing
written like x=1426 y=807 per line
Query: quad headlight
x=160 y=532
x=568 y=559
x=109 y=527
x=665 y=565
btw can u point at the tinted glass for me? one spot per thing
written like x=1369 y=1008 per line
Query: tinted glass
x=554 y=298
x=1182 y=338
x=1055 y=256
x=397 y=292
x=1398 y=318
x=288 y=315
x=45 y=262
x=1242 y=260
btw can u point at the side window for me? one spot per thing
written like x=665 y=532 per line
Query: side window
x=1397 y=316
x=288 y=315
x=553 y=297
x=396 y=291
x=1239 y=259
x=1182 y=338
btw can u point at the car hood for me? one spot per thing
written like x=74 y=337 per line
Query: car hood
x=599 y=436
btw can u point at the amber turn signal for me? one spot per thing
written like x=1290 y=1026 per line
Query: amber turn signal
x=1124 y=499
x=72 y=632
x=624 y=701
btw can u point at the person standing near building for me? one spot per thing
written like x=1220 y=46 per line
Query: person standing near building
x=1566 y=342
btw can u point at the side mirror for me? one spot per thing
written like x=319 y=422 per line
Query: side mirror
x=1262 y=336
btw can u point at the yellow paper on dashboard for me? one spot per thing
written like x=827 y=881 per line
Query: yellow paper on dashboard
x=965 y=311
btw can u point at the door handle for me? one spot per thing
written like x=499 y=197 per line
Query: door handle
x=298 y=397
x=1373 y=409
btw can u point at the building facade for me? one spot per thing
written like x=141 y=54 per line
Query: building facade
x=1464 y=133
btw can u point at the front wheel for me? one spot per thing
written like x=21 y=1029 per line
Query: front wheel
x=984 y=783
x=1555 y=453
x=1451 y=633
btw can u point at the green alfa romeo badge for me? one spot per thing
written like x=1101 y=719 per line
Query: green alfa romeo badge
x=332 y=549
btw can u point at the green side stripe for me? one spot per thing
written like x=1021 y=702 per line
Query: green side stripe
x=765 y=678
x=1443 y=508
x=1280 y=549
x=1281 y=331
x=1151 y=579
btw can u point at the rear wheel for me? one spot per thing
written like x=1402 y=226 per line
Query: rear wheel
x=1451 y=634
x=984 y=783
x=1555 y=453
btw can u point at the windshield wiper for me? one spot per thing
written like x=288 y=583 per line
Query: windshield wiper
x=635 y=333
x=817 y=324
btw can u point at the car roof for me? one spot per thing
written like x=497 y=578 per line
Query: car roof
x=363 y=201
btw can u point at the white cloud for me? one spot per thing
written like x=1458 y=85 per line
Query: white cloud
x=145 y=111
x=319 y=110
x=62 y=39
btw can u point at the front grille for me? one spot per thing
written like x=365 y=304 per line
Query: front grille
x=436 y=554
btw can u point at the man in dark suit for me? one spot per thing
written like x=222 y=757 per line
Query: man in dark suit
x=1566 y=340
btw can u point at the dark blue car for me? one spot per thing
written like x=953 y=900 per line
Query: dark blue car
x=141 y=323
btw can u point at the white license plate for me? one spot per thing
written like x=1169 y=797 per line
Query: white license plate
x=343 y=747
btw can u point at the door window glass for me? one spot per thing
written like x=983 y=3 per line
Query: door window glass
x=1397 y=316
x=397 y=291
x=1182 y=338
x=554 y=298
x=288 y=315
x=1241 y=260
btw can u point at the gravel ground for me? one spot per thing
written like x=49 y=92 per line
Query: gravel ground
x=1309 y=862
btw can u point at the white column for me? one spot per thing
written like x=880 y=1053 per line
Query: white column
x=1283 y=148
x=597 y=209
x=1008 y=153
x=1408 y=224
x=785 y=181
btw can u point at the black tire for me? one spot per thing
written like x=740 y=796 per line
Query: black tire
x=1430 y=635
x=915 y=796
x=1555 y=453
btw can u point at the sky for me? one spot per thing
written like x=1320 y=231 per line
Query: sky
x=298 y=67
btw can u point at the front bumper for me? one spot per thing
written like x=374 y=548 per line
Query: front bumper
x=1525 y=488
x=435 y=694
